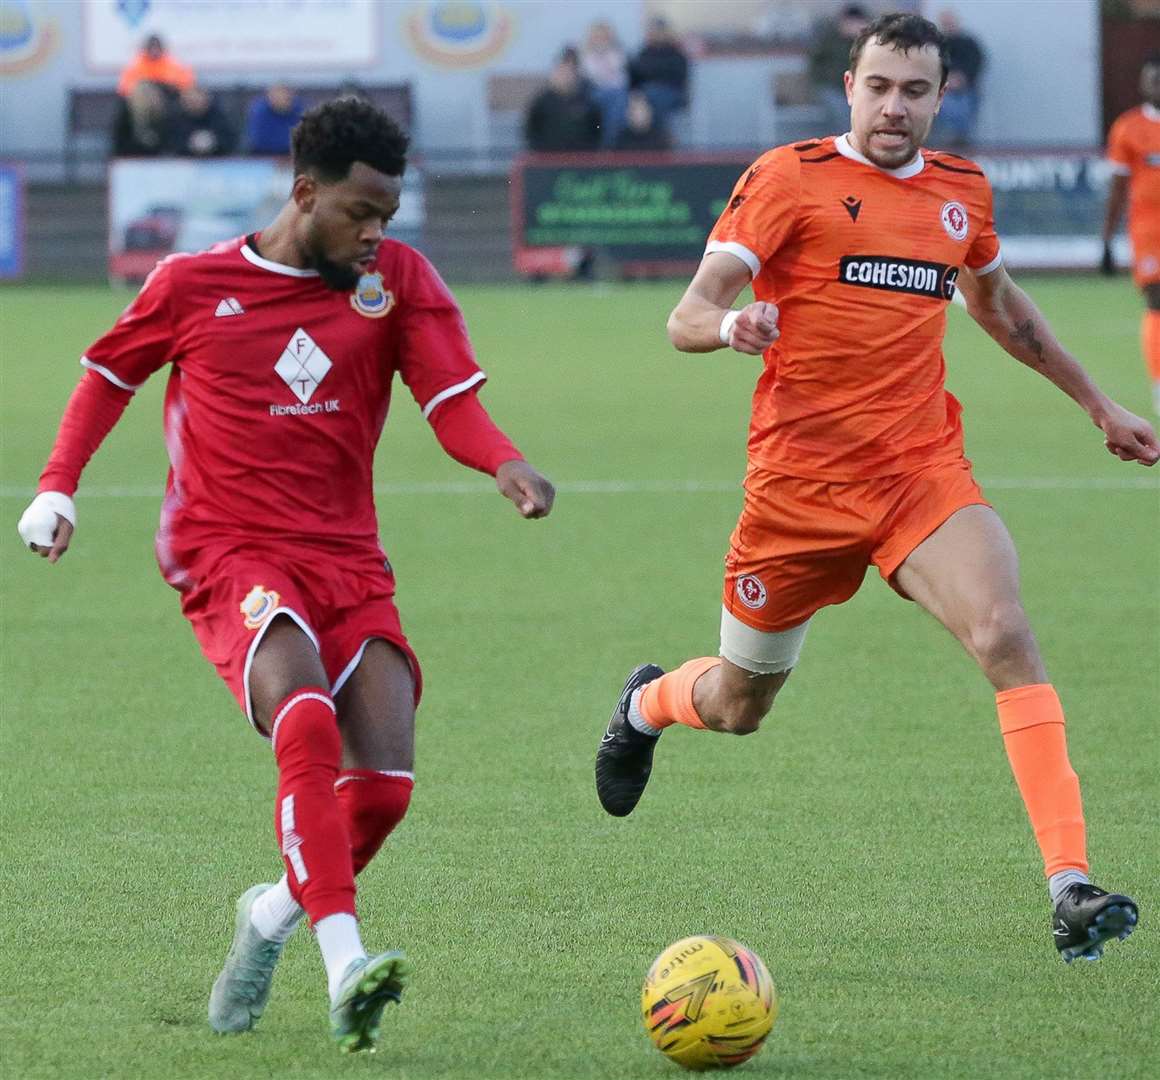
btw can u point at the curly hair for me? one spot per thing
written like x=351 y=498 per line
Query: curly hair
x=332 y=136
x=902 y=32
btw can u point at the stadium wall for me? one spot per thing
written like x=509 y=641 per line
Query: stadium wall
x=1028 y=99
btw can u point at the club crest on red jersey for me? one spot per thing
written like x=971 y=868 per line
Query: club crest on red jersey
x=259 y=604
x=751 y=591
x=370 y=298
x=954 y=219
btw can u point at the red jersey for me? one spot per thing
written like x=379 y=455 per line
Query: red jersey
x=861 y=262
x=279 y=389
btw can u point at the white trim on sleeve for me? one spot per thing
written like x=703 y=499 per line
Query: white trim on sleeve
x=115 y=380
x=739 y=251
x=991 y=267
x=451 y=391
x=1118 y=168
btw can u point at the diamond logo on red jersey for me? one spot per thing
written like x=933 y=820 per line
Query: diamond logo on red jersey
x=302 y=365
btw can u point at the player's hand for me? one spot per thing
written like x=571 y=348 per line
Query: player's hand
x=44 y=526
x=755 y=328
x=531 y=493
x=1108 y=261
x=1128 y=436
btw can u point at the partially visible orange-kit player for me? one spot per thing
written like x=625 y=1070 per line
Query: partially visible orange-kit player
x=1134 y=157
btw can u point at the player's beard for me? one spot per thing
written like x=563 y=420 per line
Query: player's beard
x=341 y=277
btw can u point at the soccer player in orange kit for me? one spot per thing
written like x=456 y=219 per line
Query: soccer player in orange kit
x=1134 y=155
x=854 y=245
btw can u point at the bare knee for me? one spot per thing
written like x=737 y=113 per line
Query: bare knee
x=741 y=714
x=1001 y=641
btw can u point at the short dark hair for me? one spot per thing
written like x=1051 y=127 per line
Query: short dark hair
x=904 y=32
x=332 y=136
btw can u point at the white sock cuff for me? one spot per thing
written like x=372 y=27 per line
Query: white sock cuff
x=1058 y=883
x=276 y=914
x=636 y=717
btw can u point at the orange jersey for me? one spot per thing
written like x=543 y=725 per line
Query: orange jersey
x=861 y=262
x=1134 y=151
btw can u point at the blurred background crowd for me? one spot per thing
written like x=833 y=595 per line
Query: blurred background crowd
x=99 y=101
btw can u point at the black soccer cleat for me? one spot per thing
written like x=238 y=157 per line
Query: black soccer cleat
x=624 y=756
x=1087 y=917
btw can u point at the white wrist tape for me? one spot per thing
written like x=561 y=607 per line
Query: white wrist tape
x=38 y=523
x=727 y=325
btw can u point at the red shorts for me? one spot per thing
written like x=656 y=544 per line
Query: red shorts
x=340 y=601
x=803 y=544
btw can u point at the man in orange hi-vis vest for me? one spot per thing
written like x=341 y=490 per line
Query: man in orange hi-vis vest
x=1134 y=156
x=854 y=245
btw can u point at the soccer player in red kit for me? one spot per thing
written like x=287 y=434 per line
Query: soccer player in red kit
x=282 y=348
x=853 y=245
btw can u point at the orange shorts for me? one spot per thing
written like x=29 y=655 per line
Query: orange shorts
x=1146 y=256
x=801 y=545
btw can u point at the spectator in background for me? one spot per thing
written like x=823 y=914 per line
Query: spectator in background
x=829 y=61
x=200 y=126
x=270 y=120
x=643 y=129
x=143 y=125
x=604 y=65
x=661 y=72
x=562 y=116
x=154 y=64
x=955 y=124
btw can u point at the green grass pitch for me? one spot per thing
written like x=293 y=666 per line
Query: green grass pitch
x=869 y=843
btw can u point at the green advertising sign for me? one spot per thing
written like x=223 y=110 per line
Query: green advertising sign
x=633 y=209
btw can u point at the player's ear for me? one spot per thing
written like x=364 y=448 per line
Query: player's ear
x=304 y=192
x=848 y=83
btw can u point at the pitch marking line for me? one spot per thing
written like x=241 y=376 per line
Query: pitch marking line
x=633 y=487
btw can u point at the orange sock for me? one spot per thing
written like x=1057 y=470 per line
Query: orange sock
x=1031 y=719
x=669 y=699
x=1150 y=337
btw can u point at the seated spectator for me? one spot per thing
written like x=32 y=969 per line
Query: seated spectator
x=643 y=128
x=200 y=127
x=562 y=116
x=605 y=67
x=829 y=61
x=154 y=64
x=661 y=71
x=270 y=120
x=955 y=123
x=143 y=126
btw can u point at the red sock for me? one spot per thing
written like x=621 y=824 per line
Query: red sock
x=1031 y=719
x=373 y=804
x=308 y=819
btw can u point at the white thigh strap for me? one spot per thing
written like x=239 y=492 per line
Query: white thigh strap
x=758 y=651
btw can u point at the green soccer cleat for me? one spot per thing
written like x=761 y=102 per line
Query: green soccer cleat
x=240 y=992
x=366 y=987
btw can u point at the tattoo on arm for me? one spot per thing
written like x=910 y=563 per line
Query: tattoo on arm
x=1024 y=335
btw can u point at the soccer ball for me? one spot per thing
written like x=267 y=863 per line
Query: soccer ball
x=708 y=1003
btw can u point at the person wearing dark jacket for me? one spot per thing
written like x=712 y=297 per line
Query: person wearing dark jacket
x=143 y=125
x=960 y=107
x=643 y=130
x=562 y=116
x=661 y=71
x=201 y=128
